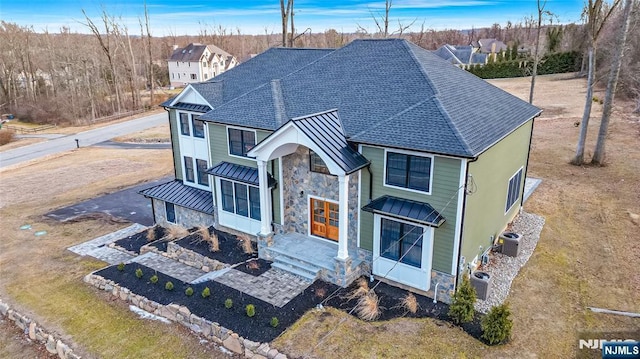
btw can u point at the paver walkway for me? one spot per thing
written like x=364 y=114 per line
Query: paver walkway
x=97 y=247
x=169 y=266
x=274 y=286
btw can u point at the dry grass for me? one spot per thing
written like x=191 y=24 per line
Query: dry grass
x=209 y=237
x=361 y=288
x=6 y=136
x=409 y=303
x=247 y=244
x=151 y=235
x=153 y=134
x=368 y=307
x=42 y=279
x=253 y=265
x=175 y=232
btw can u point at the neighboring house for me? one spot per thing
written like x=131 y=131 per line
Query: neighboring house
x=489 y=46
x=345 y=162
x=461 y=56
x=196 y=63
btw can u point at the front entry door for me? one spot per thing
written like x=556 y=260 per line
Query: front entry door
x=324 y=219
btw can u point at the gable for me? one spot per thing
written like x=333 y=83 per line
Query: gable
x=191 y=96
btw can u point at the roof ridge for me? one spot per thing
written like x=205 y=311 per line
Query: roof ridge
x=436 y=92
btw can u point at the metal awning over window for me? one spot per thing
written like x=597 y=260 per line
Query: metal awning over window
x=406 y=209
x=182 y=195
x=238 y=173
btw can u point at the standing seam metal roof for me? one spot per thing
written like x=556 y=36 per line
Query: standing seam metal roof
x=182 y=195
x=406 y=209
x=239 y=173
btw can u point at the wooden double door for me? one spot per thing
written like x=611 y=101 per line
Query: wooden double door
x=324 y=219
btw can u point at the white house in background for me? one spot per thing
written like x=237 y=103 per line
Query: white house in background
x=198 y=63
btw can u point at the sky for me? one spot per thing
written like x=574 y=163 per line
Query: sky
x=190 y=17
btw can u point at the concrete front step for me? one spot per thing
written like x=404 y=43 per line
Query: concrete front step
x=299 y=269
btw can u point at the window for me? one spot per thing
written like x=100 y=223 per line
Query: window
x=241 y=199
x=203 y=177
x=241 y=141
x=317 y=164
x=397 y=241
x=193 y=76
x=170 y=211
x=188 y=169
x=514 y=189
x=408 y=171
x=184 y=124
x=206 y=76
x=198 y=127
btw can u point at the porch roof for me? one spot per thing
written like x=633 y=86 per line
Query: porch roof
x=407 y=209
x=239 y=173
x=182 y=195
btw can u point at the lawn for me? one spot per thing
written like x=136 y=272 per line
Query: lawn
x=586 y=255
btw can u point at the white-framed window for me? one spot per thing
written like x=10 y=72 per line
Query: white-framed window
x=194 y=76
x=401 y=241
x=170 y=212
x=201 y=168
x=240 y=141
x=184 y=124
x=240 y=199
x=513 y=189
x=408 y=171
x=198 y=126
x=188 y=169
x=316 y=163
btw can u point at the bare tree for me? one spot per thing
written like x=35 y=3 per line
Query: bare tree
x=285 y=12
x=536 y=55
x=149 y=54
x=596 y=15
x=382 y=22
x=599 y=153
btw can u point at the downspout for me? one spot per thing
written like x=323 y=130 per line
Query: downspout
x=173 y=153
x=464 y=205
x=526 y=168
x=370 y=183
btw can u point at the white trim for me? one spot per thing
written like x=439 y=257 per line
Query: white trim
x=226 y=130
x=413 y=153
x=380 y=263
x=184 y=93
x=459 y=214
x=281 y=189
x=249 y=223
x=422 y=153
x=359 y=198
x=520 y=189
x=166 y=214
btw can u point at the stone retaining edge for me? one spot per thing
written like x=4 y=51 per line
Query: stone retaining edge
x=181 y=314
x=37 y=333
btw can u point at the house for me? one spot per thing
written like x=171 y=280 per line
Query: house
x=489 y=46
x=378 y=157
x=461 y=56
x=196 y=63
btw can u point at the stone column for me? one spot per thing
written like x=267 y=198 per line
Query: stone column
x=343 y=229
x=265 y=199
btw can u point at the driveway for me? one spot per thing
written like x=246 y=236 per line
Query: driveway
x=126 y=204
x=86 y=138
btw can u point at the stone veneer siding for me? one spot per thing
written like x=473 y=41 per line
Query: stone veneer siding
x=297 y=177
x=181 y=314
x=185 y=217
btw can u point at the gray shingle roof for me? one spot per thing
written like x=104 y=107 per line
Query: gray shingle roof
x=239 y=173
x=388 y=92
x=406 y=209
x=182 y=195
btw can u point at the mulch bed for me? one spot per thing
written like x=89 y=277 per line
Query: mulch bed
x=255 y=267
x=257 y=328
x=230 y=247
x=134 y=242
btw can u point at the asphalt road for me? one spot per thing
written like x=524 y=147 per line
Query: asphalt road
x=86 y=138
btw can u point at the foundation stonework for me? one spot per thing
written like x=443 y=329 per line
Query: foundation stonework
x=185 y=217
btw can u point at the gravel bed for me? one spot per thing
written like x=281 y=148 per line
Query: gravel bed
x=503 y=269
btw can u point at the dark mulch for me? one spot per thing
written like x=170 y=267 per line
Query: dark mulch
x=257 y=328
x=230 y=247
x=134 y=242
x=160 y=245
x=255 y=267
x=390 y=298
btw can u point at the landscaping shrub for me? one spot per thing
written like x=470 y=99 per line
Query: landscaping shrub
x=251 y=310
x=228 y=303
x=554 y=63
x=121 y=266
x=496 y=325
x=151 y=235
x=274 y=322
x=410 y=303
x=6 y=136
x=154 y=279
x=461 y=308
x=247 y=245
x=361 y=289
x=368 y=307
x=168 y=286
x=206 y=292
x=189 y=291
x=139 y=273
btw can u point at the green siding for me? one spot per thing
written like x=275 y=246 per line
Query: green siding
x=485 y=208
x=444 y=194
x=219 y=148
x=175 y=127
